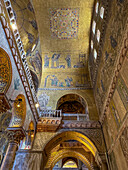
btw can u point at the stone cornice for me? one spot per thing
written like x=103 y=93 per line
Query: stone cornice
x=18 y=54
x=80 y=125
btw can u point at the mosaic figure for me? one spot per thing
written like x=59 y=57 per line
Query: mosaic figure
x=54 y=81
x=43 y=100
x=46 y=61
x=68 y=59
x=55 y=61
x=68 y=81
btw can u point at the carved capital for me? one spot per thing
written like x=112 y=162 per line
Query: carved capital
x=15 y=135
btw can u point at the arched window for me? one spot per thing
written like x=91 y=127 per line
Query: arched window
x=102 y=12
x=91 y=44
x=98 y=35
x=94 y=27
x=95 y=54
x=97 y=6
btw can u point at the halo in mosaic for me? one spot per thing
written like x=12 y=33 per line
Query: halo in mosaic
x=64 y=23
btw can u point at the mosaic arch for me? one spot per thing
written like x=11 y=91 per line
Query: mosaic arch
x=72 y=103
x=19 y=111
x=70 y=135
x=68 y=153
x=5 y=71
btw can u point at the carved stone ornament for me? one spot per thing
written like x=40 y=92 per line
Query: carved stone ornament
x=15 y=134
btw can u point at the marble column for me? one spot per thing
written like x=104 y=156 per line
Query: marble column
x=14 y=137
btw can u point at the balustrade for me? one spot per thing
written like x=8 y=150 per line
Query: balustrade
x=51 y=113
x=65 y=116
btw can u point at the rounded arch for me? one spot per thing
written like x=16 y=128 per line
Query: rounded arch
x=70 y=135
x=5 y=71
x=71 y=97
x=68 y=153
x=67 y=159
x=19 y=111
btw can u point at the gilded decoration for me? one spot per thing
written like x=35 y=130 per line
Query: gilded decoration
x=64 y=23
x=26 y=23
x=111 y=52
x=5 y=71
x=19 y=111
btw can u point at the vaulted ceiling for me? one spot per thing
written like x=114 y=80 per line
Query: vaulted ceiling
x=63 y=25
x=58 y=59
x=64 y=29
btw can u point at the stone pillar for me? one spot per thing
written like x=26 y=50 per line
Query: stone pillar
x=14 y=137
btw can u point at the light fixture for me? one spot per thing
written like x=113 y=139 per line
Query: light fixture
x=13 y=25
x=32 y=135
x=37 y=105
x=18 y=102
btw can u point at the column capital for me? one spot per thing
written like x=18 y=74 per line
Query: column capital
x=15 y=134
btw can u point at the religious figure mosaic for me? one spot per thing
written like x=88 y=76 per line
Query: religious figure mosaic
x=64 y=23
x=5 y=71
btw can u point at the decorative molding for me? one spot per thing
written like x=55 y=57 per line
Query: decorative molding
x=80 y=124
x=77 y=88
x=50 y=124
x=119 y=64
x=18 y=54
x=15 y=134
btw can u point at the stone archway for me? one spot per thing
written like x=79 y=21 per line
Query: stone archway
x=72 y=98
x=63 y=154
x=67 y=136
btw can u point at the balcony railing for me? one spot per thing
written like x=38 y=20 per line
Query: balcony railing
x=50 y=113
x=75 y=116
x=65 y=116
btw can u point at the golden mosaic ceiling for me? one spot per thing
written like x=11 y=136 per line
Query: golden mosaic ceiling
x=64 y=25
x=64 y=29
